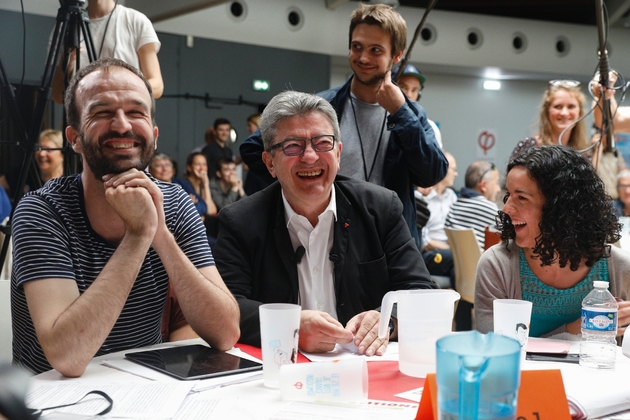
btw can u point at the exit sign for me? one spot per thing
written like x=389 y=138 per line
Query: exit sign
x=261 y=85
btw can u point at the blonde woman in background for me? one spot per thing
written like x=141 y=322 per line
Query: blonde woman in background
x=563 y=105
x=49 y=156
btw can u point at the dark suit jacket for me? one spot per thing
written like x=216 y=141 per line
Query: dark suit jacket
x=373 y=252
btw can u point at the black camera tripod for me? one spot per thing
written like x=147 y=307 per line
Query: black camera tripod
x=71 y=26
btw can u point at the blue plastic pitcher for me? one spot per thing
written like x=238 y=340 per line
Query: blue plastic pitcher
x=477 y=376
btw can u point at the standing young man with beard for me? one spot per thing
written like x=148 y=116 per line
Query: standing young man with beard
x=387 y=137
x=94 y=253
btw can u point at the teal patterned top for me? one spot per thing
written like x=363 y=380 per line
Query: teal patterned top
x=551 y=307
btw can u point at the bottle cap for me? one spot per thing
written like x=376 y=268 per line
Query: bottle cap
x=600 y=284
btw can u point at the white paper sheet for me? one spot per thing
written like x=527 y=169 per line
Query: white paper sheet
x=197 y=406
x=136 y=369
x=594 y=393
x=625 y=415
x=131 y=400
x=200 y=406
x=207 y=384
x=412 y=395
x=339 y=353
x=313 y=411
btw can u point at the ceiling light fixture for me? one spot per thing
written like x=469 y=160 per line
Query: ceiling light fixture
x=492 y=85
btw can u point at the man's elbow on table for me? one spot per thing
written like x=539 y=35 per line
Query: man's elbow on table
x=227 y=337
x=70 y=361
x=67 y=366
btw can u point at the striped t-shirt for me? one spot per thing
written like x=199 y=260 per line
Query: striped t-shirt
x=53 y=238
x=472 y=210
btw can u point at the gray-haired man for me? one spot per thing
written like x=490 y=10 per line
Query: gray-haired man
x=332 y=244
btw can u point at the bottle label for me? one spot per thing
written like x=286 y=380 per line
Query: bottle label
x=605 y=320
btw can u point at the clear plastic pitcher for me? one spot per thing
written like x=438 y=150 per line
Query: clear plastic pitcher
x=424 y=315
x=477 y=376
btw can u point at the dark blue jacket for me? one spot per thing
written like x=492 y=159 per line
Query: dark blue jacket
x=618 y=207
x=200 y=204
x=5 y=205
x=413 y=156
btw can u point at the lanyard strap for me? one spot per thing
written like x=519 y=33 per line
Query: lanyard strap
x=100 y=51
x=378 y=146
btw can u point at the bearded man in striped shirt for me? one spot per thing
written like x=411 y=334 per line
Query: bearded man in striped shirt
x=94 y=252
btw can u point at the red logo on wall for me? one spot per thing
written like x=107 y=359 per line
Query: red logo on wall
x=486 y=141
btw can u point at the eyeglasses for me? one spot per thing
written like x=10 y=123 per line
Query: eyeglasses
x=47 y=149
x=623 y=187
x=564 y=83
x=297 y=146
x=165 y=165
x=490 y=169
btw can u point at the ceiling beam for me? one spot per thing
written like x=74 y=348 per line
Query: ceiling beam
x=333 y=4
x=616 y=10
x=159 y=10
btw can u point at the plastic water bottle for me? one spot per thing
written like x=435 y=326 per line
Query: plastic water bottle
x=598 y=348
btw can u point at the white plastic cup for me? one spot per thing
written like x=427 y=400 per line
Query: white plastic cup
x=335 y=381
x=512 y=318
x=625 y=344
x=279 y=335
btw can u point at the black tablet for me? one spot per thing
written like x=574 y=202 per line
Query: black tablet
x=554 y=357
x=193 y=362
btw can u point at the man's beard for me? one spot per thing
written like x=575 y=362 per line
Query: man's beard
x=374 y=80
x=101 y=165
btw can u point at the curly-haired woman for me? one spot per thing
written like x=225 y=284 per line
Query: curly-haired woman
x=562 y=106
x=556 y=229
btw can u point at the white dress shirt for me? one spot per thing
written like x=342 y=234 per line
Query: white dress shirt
x=439 y=208
x=315 y=270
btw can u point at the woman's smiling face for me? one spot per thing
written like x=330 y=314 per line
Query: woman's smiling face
x=524 y=206
x=564 y=110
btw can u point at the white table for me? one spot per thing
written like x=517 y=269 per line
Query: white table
x=587 y=385
x=252 y=400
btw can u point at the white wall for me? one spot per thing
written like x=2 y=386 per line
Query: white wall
x=326 y=31
x=6 y=333
x=463 y=109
